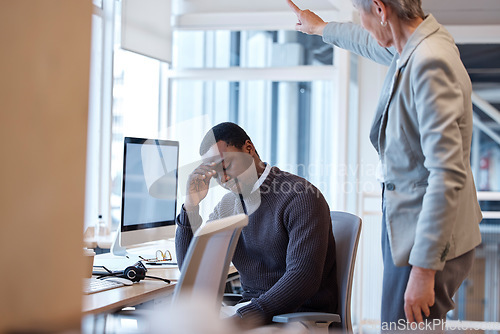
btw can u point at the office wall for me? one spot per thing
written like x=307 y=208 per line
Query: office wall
x=44 y=66
x=368 y=275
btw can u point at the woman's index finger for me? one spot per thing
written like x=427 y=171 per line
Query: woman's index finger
x=293 y=6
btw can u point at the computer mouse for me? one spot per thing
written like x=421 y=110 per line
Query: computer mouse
x=122 y=280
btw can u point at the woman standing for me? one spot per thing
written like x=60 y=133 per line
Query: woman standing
x=422 y=132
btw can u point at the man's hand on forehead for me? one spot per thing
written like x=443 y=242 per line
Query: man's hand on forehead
x=198 y=184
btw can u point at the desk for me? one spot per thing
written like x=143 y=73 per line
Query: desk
x=143 y=291
x=146 y=290
x=118 y=298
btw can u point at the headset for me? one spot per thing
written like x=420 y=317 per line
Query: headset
x=135 y=273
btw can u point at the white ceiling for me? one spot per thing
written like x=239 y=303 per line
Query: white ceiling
x=449 y=12
x=228 y=6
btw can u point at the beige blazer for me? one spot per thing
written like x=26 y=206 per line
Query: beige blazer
x=422 y=132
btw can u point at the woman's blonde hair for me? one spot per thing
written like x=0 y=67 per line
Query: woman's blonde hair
x=405 y=9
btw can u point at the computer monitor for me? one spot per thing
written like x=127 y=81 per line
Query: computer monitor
x=149 y=192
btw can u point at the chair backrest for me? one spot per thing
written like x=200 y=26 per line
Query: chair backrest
x=346 y=230
x=206 y=265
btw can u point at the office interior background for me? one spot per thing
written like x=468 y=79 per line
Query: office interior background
x=172 y=69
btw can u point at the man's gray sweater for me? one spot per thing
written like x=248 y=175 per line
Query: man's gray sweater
x=286 y=254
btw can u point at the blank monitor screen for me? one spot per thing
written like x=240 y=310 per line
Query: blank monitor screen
x=149 y=190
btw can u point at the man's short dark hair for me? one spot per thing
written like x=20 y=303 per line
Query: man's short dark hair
x=228 y=132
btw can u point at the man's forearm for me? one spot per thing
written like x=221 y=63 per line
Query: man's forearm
x=184 y=233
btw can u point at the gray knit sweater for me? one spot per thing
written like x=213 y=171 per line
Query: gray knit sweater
x=286 y=254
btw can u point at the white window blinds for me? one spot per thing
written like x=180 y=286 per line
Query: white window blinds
x=147 y=29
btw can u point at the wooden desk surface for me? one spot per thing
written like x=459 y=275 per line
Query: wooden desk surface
x=140 y=292
x=115 y=299
x=143 y=291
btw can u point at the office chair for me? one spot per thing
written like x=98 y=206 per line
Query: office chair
x=346 y=230
x=207 y=260
x=205 y=268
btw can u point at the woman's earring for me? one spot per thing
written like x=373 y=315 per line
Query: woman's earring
x=383 y=23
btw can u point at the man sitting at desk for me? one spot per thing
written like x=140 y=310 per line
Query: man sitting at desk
x=286 y=254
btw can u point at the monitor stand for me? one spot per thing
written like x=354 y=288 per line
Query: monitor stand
x=116 y=248
x=148 y=251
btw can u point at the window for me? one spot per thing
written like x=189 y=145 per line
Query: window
x=250 y=49
x=137 y=111
x=128 y=97
x=278 y=85
x=96 y=201
x=478 y=298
